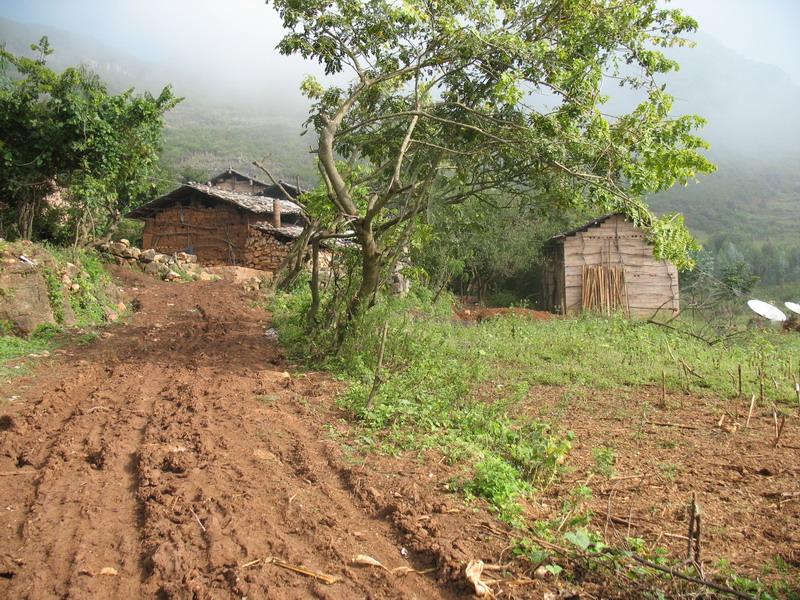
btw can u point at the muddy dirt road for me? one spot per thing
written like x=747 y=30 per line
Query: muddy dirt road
x=165 y=459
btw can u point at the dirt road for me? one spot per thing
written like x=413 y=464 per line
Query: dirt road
x=161 y=459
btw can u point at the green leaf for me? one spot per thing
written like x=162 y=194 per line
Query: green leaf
x=580 y=538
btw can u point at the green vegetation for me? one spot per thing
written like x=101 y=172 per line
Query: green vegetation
x=461 y=390
x=73 y=157
x=390 y=151
x=55 y=292
x=13 y=348
x=604 y=458
x=201 y=141
x=90 y=301
x=85 y=303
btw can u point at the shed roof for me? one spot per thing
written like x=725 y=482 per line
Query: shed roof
x=593 y=223
x=260 y=205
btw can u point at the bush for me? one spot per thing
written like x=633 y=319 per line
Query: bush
x=91 y=303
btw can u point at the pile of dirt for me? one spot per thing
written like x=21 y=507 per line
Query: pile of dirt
x=478 y=314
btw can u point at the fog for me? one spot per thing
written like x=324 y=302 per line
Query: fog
x=743 y=76
x=231 y=43
x=210 y=50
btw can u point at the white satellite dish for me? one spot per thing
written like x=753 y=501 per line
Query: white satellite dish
x=793 y=306
x=766 y=310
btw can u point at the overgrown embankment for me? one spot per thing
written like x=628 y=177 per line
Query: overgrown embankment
x=44 y=290
x=469 y=393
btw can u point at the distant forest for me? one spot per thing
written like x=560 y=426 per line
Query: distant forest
x=201 y=141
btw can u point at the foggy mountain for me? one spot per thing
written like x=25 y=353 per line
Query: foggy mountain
x=231 y=118
x=219 y=83
x=753 y=128
x=222 y=122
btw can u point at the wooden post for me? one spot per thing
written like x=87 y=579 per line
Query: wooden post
x=693 y=543
x=779 y=432
x=740 y=381
x=663 y=388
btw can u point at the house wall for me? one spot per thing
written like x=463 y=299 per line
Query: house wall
x=232 y=184
x=217 y=234
x=651 y=284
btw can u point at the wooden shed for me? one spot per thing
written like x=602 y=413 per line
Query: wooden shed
x=223 y=226
x=607 y=266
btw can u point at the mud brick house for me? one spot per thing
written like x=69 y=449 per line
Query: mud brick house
x=231 y=220
x=607 y=265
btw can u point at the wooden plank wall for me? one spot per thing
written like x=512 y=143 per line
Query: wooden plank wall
x=651 y=283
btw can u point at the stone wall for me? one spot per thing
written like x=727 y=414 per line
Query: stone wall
x=265 y=251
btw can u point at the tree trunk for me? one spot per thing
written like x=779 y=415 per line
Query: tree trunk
x=370 y=271
x=314 y=283
x=292 y=264
x=27 y=215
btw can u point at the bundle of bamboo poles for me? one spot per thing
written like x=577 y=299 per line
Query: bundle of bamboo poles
x=604 y=289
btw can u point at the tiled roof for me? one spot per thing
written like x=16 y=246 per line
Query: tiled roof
x=260 y=205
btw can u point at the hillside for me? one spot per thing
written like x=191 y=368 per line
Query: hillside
x=201 y=141
x=753 y=125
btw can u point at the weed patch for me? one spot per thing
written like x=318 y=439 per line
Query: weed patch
x=464 y=390
x=13 y=348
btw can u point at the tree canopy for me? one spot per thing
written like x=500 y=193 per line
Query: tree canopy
x=66 y=132
x=452 y=100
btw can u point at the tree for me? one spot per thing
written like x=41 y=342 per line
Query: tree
x=738 y=277
x=487 y=246
x=454 y=100
x=65 y=131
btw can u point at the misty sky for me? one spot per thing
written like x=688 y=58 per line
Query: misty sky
x=231 y=39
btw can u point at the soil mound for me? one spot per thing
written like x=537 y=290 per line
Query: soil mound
x=478 y=314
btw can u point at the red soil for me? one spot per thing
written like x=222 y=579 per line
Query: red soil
x=177 y=455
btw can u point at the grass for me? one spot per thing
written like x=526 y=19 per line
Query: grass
x=91 y=302
x=461 y=390
x=14 y=348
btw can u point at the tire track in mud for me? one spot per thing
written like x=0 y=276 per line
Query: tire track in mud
x=84 y=495
x=175 y=451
